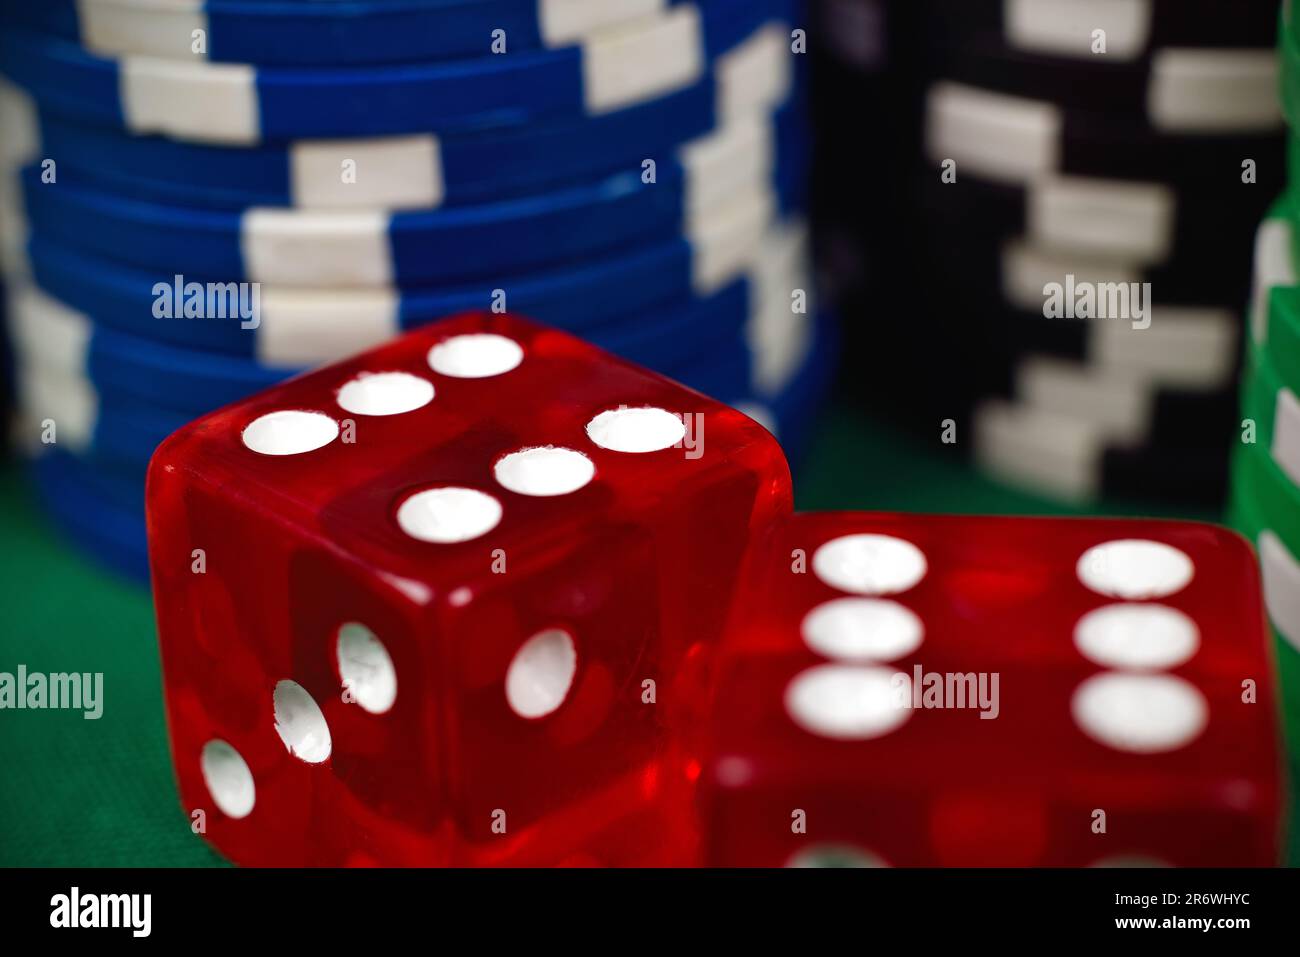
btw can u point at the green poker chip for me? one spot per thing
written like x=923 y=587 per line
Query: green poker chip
x=1246 y=518
x=1275 y=326
x=1261 y=386
x=1266 y=499
x=1261 y=487
x=1289 y=202
x=1270 y=494
x=1282 y=334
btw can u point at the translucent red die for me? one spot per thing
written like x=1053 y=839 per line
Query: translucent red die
x=428 y=605
x=950 y=691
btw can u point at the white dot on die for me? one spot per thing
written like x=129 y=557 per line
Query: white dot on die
x=385 y=393
x=1136 y=636
x=539 y=677
x=299 y=722
x=366 y=668
x=1134 y=568
x=862 y=629
x=636 y=430
x=475 y=356
x=290 y=432
x=848 y=702
x=869 y=564
x=835 y=855
x=1143 y=714
x=226 y=774
x=546 y=470
x=448 y=515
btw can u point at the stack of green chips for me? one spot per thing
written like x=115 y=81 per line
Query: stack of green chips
x=1265 y=503
x=1265 y=499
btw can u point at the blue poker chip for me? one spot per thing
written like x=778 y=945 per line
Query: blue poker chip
x=346 y=32
x=797 y=406
x=790 y=412
x=297 y=328
x=404 y=172
x=668 y=339
x=107 y=530
x=120 y=486
x=194 y=382
x=117 y=432
x=356 y=247
x=115 y=398
x=239 y=104
x=125 y=432
x=408 y=172
x=368 y=248
x=724 y=375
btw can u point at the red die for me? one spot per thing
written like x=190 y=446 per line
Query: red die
x=424 y=606
x=934 y=690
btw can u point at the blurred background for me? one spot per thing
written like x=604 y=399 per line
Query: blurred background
x=846 y=217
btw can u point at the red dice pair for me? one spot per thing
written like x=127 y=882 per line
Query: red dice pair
x=488 y=595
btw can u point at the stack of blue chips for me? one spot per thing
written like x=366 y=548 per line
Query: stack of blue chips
x=203 y=197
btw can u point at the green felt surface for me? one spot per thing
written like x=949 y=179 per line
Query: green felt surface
x=77 y=792
x=98 y=793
